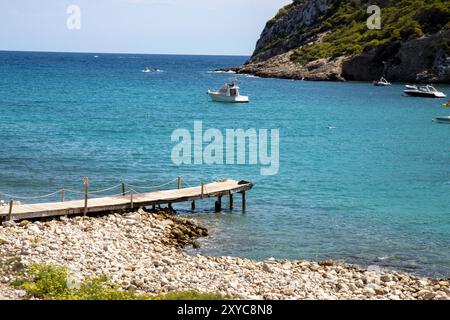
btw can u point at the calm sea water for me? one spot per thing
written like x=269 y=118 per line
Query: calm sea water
x=364 y=173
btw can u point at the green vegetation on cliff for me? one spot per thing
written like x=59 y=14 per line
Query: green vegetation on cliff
x=346 y=32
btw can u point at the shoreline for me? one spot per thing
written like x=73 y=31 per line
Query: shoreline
x=281 y=74
x=142 y=251
x=282 y=67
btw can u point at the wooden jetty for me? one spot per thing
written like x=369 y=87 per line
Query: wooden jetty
x=128 y=200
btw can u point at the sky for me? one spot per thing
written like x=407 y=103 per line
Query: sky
x=228 y=27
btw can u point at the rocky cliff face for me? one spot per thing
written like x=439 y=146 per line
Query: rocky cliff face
x=289 y=28
x=306 y=23
x=419 y=60
x=281 y=66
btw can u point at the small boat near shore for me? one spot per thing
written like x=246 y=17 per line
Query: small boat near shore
x=424 y=91
x=442 y=120
x=381 y=83
x=148 y=70
x=228 y=93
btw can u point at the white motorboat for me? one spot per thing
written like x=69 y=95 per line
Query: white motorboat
x=442 y=120
x=148 y=70
x=424 y=91
x=381 y=83
x=228 y=93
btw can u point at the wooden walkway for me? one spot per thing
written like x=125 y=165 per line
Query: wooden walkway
x=129 y=201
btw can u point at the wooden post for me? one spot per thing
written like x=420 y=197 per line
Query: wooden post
x=218 y=204
x=244 y=204
x=193 y=205
x=203 y=190
x=231 y=200
x=123 y=188
x=179 y=183
x=153 y=208
x=131 y=199
x=62 y=195
x=11 y=202
x=86 y=191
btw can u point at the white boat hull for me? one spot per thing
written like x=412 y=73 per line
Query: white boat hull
x=220 y=97
x=423 y=91
x=417 y=93
x=442 y=120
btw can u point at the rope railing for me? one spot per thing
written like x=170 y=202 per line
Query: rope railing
x=112 y=195
x=130 y=187
x=73 y=191
x=29 y=198
x=133 y=191
x=153 y=187
x=128 y=191
x=104 y=190
x=202 y=185
x=188 y=185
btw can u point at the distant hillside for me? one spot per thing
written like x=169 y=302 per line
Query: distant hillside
x=329 y=40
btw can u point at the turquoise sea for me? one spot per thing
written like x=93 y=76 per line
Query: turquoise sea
x=364 y=173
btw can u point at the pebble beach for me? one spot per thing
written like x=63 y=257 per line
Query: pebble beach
x=143 y=251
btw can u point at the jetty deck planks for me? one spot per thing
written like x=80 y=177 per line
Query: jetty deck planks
x=110 y=203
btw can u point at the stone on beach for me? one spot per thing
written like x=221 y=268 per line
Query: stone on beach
x=143 y=252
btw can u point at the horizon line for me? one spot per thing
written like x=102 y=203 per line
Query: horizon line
x=129 y=53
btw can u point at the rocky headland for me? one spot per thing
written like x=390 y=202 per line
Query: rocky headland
x=143 y=252
x=330 y=40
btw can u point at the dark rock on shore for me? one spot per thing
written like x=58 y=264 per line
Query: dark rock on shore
x=183 y=232
x=282 y=67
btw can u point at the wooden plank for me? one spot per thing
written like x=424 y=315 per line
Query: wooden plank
x=111 y=203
